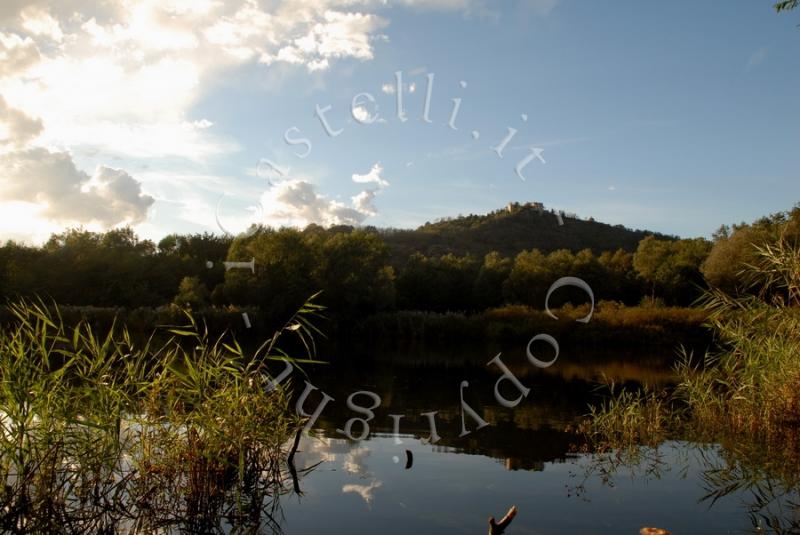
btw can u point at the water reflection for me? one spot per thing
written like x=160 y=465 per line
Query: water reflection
x=526 y=457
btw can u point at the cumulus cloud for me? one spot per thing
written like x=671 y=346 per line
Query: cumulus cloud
x=337 y=35
x=53 y=188
x=65 y=193
x=41 y=23
x=364 y=202
x=373 y=176
x=16 y=128
x=17 y=54
x=122 y=76
x=119 y=78
x=298 y=200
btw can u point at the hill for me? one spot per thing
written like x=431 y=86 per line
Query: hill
x=513 y=229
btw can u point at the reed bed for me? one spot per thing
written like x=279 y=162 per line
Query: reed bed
x=101 y=434
x=751 y=382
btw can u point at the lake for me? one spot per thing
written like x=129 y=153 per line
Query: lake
x=225 y=465
x=524 y=457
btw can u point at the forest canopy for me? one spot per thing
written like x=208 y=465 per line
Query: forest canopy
x=446 y=266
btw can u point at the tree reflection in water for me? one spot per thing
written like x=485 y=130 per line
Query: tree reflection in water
x=761 y=473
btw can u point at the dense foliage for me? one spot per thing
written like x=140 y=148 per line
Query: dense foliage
x=361 y=271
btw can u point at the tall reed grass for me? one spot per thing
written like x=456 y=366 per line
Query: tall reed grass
x=100 y=434
x=751 y=382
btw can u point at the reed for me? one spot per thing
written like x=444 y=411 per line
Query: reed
x=627 y=418
x=101 y=433
x=751 y=382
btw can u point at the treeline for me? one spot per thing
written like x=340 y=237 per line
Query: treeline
x=351 y=266
x=518 y=227
x=355 y=270
x=115 y=268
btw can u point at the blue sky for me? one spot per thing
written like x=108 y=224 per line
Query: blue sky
x=671 y=116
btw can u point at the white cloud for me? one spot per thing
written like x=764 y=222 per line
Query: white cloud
x=66 y=194
x=355 y=462
x=373 y=176
x=367 y=492
x=391 y=89
x=337 y=35
x=361 y=114
x=129 y=111
x=364 y=202
x=16 y=54
x=16 y=128
x=305 y=33
x=44 y=186
x=125 y=75
x=41 y=23
x=298 y=202
x=21 y=222
x=120 y=78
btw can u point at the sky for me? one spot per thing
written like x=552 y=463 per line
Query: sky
x=208 y=116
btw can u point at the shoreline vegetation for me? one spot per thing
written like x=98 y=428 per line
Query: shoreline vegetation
x=749 y=384
x=101 y=433
x=744 y=395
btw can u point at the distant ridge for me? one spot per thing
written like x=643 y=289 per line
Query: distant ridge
x=513 y=229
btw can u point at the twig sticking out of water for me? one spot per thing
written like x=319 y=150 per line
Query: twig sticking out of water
x=496 y=528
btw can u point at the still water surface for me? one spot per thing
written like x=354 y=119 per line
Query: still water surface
x=525 y=457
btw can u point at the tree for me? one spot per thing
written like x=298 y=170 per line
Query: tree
x=354 y=274
x=283 y=278
x=527 y=281
x=192 y=293
x=620 y=281
x=672 y=268
x=169 y=244
x=437 y=283
x=489 y=282
x=734 y=248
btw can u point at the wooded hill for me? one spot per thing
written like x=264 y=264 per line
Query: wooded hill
x=516 y=228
